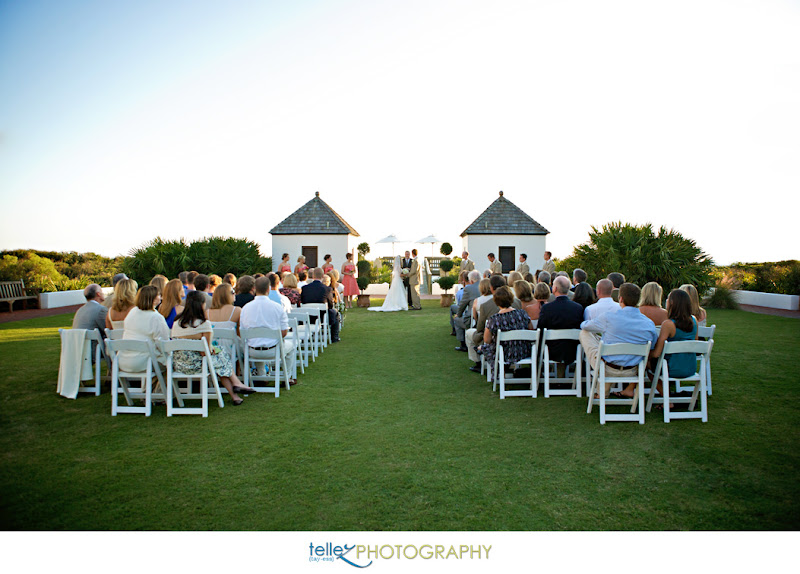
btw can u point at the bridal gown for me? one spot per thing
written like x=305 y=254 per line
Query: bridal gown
x=396 y=298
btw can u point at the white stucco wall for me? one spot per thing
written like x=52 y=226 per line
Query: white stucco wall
x=771 y=300
x=66 y=298
x=479 y=246
x=336 y=245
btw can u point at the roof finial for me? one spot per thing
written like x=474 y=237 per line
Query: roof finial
x=317 y=194
x=501 y=194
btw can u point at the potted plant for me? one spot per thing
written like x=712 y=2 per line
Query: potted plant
x=446 y=283
x=364 y=279
x=445 y=266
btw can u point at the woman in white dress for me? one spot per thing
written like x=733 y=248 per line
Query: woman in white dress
x=396 y=298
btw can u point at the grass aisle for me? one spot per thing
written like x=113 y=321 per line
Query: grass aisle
x=390 y=431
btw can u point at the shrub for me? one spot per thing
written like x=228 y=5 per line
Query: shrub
x=36 y=272
x=446 y=249
x=447 y=282
x=85 y=268
x=721 y=298
x=363 y=249
x=446 y=265
x=641 y=255
x=774 y=277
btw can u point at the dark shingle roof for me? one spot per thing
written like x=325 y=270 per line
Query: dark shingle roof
x=504 y=218
x=315 y=218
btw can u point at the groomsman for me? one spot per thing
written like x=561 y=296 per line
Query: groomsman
x=466 y=264
x=494 y=265
x=548 y=264
x=523 y=265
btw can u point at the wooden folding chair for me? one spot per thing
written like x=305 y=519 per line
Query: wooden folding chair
x=532 y=383
x=600 y=379
x=699 y=379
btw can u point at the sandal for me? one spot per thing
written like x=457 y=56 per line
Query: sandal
x=237 y=402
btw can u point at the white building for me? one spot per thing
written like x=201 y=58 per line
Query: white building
x=314 y=230
x=507 y=231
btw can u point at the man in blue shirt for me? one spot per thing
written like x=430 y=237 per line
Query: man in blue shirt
x=627 y=325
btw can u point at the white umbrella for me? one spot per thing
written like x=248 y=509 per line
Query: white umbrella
x=430 y=239
x=391 y=239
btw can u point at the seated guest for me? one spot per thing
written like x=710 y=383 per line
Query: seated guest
x=523 y=291
x=302 y=279
x=627 y=325
x=561 y=314
x=327 y=264
x=541 y=296
x=460 y=314
x=617 y=279
x=284 y=266
x=223 y=311
x=604 y=303
x=650 y=303
x=159 y=281
x=680 y=326
x=485 y=288
x=529 y=278
x=513 y=277
x=463 y=279
x=245 y=290
x=523 y=268
x=143 y=323
x=201 y=284
x=578 y=276
x=275 y=294
x=93 y=314
x=171 y=301
x=290 y=290
x=184 y=277
x=264 y=312
x=230 y=279
x=214 y=281
x=108 y=301
x=506 y=319
x=544 y=277
x=316 y=292
x=697 y=310
x=337 y=287
x=124 y=301
x=192 y=324
x=301 y=266
x=190 y=277
x=583 y=295
x=474 y=337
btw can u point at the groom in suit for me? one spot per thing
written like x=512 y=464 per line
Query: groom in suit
x=411 y=280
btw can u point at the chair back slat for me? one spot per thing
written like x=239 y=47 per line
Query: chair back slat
x=518 y=335
x=697 y=347
x=184 y=345
x=624 y=349
x=561 y=335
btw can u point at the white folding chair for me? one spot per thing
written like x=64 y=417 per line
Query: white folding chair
x=315 y=328
x=91 y=336
x=532 y=383
x=550 y=368
x=119 y=378
x=206 y=377
x=703 y=334
x=326 y=327
x=703 y=350
x=229 y=340
x=600 y=379
x=301 y=334
x=273 y=358
x=114 y=334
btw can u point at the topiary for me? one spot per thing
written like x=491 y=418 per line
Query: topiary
x=446 y=265
x=446 y=249
x=363 y=282
x=446 y=283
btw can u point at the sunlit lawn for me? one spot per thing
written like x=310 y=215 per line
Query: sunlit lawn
x=390 y=431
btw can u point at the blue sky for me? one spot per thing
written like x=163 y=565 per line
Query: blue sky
x=123 y=121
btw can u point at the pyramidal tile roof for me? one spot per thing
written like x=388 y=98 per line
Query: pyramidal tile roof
x=504 y=218
x=315 y=218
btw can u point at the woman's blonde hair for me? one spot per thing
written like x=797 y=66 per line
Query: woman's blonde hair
x=222 y=296
x=334 y=274
x=697 y=310
x=485 y=286
x=651 y=295
x=290 y=281
x=301 y=259
x=523 y=291
x=541 y=292
x=214 y=281
x=513 y=277
x=125 y=295
x=171 y=298
x=159 y=281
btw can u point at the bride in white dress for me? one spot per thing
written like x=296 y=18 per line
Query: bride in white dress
x=396 y=298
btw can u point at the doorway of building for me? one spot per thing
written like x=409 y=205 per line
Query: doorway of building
x=310 y=253
x=508 y=258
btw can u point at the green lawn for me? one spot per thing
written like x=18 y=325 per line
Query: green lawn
x=390 y=431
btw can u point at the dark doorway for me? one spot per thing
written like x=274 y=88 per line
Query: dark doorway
x=310 y=253
x=507 y=256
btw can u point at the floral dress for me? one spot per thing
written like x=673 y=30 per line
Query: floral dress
x=191 y=362
x=292 y=295
x=513 y=351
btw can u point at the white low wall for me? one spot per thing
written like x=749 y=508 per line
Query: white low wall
x=381 y=289
x=65 y=298
x=771 y=300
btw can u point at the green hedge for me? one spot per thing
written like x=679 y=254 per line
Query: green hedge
x=772 y=277
x=50 y=271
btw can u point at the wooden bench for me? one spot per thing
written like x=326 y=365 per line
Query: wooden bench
x=11 y=291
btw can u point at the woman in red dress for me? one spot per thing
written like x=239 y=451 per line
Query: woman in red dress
x=328 y=265
x=285 y=266
x=349 y=280
x=301 y=265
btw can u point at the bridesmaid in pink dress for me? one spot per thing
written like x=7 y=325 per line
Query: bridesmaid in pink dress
x=349 y=280
x=301 y=265
x=328 y=265
x=285 y=266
